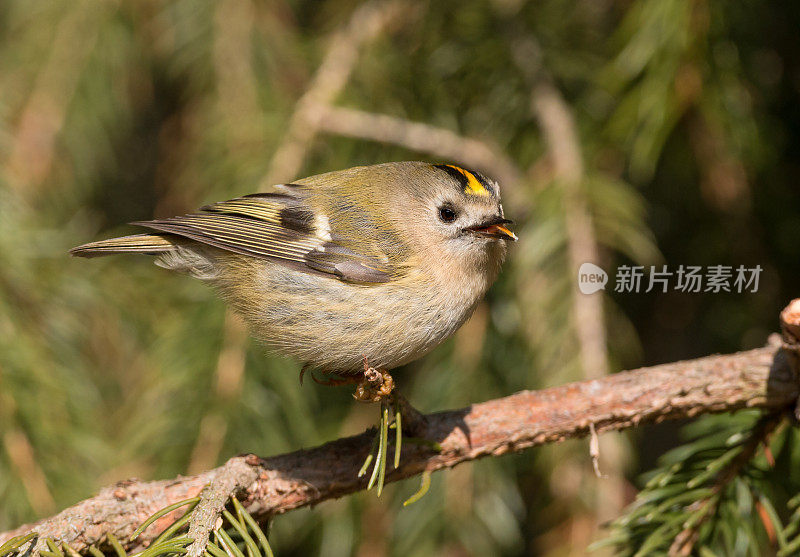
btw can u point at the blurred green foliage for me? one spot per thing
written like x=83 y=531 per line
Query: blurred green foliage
x=113 y=111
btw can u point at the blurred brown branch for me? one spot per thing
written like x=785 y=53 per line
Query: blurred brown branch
x=21 y=453
x=365 y=24
x=33 y=142
x=761 y=378
x=315 y=111
x=421 y=137
x=560 y=133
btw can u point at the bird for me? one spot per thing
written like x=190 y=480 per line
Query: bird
x=350 y=271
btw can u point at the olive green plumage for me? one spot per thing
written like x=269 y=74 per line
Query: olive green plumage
x=382 y=261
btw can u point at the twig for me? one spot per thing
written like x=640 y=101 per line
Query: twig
x=761 y=378
x=234 y=475
x=331 y=77
x=417 y=136
x=594 y=451
x=564 y=150
x=315 y=111
x=34 y=142
x=229 y=377
x=23 y=459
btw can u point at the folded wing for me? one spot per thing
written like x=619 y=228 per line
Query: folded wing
x=280 y=227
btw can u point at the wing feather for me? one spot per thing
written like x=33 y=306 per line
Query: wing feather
x=279 y=227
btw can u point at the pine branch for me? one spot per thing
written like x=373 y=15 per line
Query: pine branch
x=761 y=378
x=706 y=507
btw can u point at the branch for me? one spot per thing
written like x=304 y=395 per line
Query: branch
x=315 y=111
x=366 y=23
x=560 y=132
x=416 y=136
x=33 y=148
x=761 y=378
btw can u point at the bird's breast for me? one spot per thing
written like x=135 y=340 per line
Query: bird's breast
x=333 y=325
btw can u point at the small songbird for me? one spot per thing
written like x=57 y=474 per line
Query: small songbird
x=373 y=264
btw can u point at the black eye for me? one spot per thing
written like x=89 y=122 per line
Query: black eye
x=446 y=214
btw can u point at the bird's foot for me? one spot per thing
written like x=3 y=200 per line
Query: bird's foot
x=375 y=384
x=372 y=384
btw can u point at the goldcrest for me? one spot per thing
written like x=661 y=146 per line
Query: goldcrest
x=378 y=262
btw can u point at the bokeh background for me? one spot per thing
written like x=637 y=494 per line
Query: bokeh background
x=660 y=132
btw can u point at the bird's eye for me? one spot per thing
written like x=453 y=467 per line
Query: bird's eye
x=446 y=214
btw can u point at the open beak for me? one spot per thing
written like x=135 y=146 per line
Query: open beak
x=496 y=228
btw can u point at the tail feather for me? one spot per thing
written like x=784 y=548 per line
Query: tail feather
x=150 y=244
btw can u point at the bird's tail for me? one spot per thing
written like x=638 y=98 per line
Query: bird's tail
x=151 y=244
x=172 y=252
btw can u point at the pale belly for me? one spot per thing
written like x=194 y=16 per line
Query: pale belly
x=332 y=325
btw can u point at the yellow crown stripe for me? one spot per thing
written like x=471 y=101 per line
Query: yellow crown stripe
x=474 y=185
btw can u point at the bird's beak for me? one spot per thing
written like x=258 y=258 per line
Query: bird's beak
x=495 y=228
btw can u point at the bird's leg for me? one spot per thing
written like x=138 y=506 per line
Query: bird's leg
x=377 y=385
x=372 y=384
x=336 y=381
x=333 y=379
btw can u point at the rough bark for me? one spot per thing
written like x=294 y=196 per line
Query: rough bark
x=762 y=378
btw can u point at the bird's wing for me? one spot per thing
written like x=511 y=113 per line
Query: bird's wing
x=281 y=227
